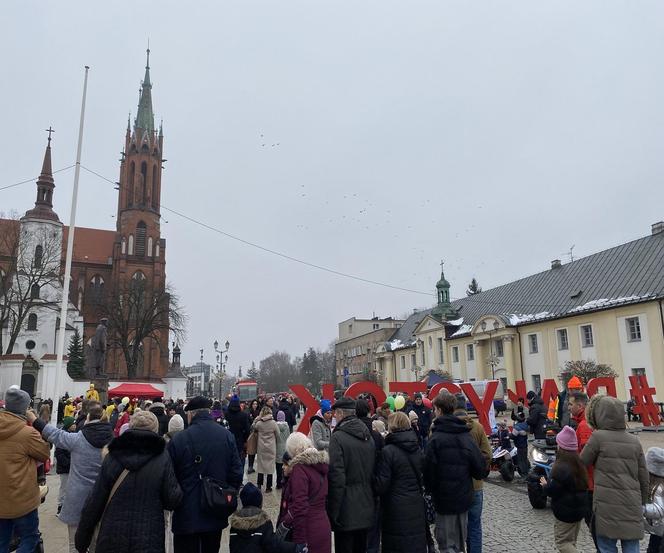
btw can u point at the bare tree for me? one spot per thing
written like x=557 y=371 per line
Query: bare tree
x=31 y=272
x=139 y=313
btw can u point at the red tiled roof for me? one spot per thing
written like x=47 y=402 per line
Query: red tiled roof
x=91 y=245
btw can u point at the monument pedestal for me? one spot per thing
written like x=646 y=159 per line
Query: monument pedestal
x=101 y=385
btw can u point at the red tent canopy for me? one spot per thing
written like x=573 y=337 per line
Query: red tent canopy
x=135 y=390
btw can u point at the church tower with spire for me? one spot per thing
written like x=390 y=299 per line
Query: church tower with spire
x=443 y=309
x=139 y=250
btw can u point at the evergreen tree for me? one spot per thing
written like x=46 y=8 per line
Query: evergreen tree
x=252 y=374
x=76 y=363
x=473 y=288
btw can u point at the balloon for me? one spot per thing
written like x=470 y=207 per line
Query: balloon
x=125 y=400
x=399 y=402
x=390 y=402
x=427 y=402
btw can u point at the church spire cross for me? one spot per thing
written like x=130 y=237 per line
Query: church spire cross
x=49 y=131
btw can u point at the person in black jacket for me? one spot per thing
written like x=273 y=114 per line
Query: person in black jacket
x=239 y=426
x=287 y=408
x=424 y=416
x=132 y=520
x=350 y=498
x=62 y=461
x=452 y=459
x=194 y=528
x=537 y=418
x=398 y=483
x=159 y=410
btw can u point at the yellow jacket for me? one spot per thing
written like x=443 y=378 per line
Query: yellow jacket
x=92 y=394
x=69 y=410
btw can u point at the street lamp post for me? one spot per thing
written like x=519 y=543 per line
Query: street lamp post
x=200 y=389
x=492 y=360
x=220 y=363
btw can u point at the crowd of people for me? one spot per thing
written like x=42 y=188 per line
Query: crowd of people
x=407 y=475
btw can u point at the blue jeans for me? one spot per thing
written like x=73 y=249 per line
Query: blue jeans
x=608 y=545
x=474 y=540
x=26 y=528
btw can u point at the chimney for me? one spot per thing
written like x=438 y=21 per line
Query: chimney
x=657 y=228
x=555 y=264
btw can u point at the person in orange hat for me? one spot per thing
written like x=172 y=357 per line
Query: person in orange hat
x=563 y=416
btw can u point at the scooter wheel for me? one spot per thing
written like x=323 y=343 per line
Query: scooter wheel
x=507 y=471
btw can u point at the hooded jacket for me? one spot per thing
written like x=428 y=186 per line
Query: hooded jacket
x=21 y=447
x=452 y=459
x=352 y=456
x=252 y=532
x=304 y=500
x=159 y=410
x=134 y=518
x=424 y=416
x=403 y=520
x=620 y=475
x=85 y=447
x=320 y=432
x=479 y=437
x=238 y=424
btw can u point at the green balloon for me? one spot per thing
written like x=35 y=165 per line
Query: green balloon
x=390 y=402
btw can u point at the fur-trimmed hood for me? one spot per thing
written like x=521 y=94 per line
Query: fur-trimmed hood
x=310 y=456
x=605 y=413
x=134 y=448
x=248 y=519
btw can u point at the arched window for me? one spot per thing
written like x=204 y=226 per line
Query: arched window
x=144 y=182
x=141 y=231
x=97 y=286
x=130 y=195
x=156 y=250
x=130 y=248
x=155 y=201
x=150 y=246
x=39 y=254
x=138 y=281
x=32 y=321
x=124 y=245
x=34 y=292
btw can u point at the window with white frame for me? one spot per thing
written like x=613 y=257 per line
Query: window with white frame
x=403 y=361
x=587 y=340
x=532 y=343
x=455 y=354
x=563 y=342
x=470 y=352
x=537 y=382
x=441 y=357
x=499 y=348
x=376 y=326
x=423 y=357
x=641 y=371
x=633 y=329
x=413 y=360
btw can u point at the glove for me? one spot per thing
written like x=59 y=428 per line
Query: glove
x=301 y=548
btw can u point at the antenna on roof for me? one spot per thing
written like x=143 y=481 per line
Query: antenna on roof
x=571 y=253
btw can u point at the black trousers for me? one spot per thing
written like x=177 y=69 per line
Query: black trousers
x=280 y=475
x=351 y=542
x=259 y=480
x=251 y=461
x=206 y=542
x=522 y=463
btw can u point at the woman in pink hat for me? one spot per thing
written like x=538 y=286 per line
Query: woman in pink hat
x=568 y=488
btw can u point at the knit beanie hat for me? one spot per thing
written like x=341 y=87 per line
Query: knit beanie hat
x=325 y=406
x=281 y=416
x=655 y=461
x=67 y=422
x=297 y=443
x=378 y=426
x=251 y=496
x=413 y=417
x=566 y=439
x=574 y=383
x=175 y=424
x=16 y=400
x=144 y=420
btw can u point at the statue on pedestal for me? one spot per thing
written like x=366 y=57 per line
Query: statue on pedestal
x=99 y=342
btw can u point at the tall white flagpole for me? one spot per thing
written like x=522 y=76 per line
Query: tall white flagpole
x=70 y=250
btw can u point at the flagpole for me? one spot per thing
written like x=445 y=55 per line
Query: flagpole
x=70 y=250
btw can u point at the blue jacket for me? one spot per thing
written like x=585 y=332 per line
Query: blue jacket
x=520 y=434
x=220 y=460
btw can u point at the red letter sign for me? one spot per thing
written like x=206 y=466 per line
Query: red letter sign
x=483 y=405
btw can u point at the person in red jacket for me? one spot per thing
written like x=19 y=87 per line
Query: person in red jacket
x=577 y=409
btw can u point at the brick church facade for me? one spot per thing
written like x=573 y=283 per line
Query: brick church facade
x=107 y=263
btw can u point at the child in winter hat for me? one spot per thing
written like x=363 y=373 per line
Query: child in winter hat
x=654 y=509
x=566 y=439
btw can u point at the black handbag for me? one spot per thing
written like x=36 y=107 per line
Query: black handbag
x=215 y=497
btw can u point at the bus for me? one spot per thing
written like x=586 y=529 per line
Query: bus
x=247 y=390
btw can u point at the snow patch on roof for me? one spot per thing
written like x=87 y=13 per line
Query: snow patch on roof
x=456 y=322
x=604 y=303
x=398 y=344
x=519 y=319
x=465 y=329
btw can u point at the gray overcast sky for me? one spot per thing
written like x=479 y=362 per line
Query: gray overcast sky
x=491 y=134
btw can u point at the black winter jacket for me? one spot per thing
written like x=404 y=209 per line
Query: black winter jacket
x=287 y=408
x=160 y=412
x=567 y=502
x=537 y=418
x=424 y=416
x=134 y=518
x=219 y=459
x=252 y=532
x=403 y=521
x=350 y=499
x=452 y=459
x=62 y=460
x=238 y=424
